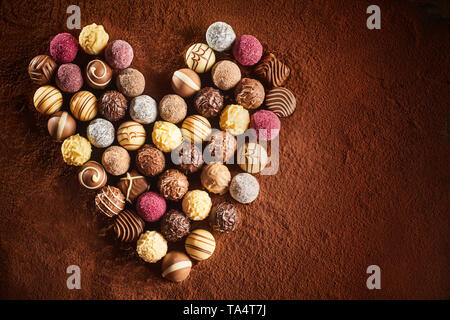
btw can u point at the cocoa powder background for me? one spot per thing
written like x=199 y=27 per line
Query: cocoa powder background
x=364 y=162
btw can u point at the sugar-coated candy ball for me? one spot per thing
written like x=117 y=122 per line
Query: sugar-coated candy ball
x=235 y=119
x=93 y=39
x=151 y=206
x=176 y=266
x=220 y=36
x=64 y=48
x=266 y=123
x=247 y=50
x=196 y=204
x=200 y=244
x=47 y=100
x=143 y=109
x=76 y=150
x=151 y=246
x=119 y=54
x=69 y=78
x=100 y=133
x=244 y=188
x=166 y=136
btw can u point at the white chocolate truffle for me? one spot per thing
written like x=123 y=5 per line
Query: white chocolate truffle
x=143 y=109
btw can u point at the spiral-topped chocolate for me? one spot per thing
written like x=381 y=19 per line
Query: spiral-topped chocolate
x=128 y=226
x=92 y=175
x=272 y=71
x=98 y=74
x=41 y=69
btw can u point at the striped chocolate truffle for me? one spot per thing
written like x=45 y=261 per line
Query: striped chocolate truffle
x=200 y=244
x=131 y=135
x=281 y=101
x=92 y=175
x=176 y=266
x=200 y=57
x=109 y=201
x=98 y=74
x=195 y=129
x=128 y=226
x=41 y=69
x=47 y=100
x=272 y=71
x=252 y=157
x=83 y=106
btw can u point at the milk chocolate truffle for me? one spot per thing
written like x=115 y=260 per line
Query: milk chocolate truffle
x=185 y=82
x=128 y=226
x=252 y=157
x=41 y=69
x=216 y=178
x=173 y=185
x=131 y=135
x=112 y=105
x=195 y=129
x=209 y=102
x=101 y=133
x=200 y=58
x=175 y=225
x=188 y=158
x=176 y=266
x=109 y=201
x=92 y=175
x=220 y=36
x=98 y=74
x=119 y=54
x=220 y=148
x=150 y=161
x=93 y=39
x=69 y=78
x=226 y=74
x=130 y=82
x=172 y=108
x=116 y=160
x=166 y=136
x=151 y=246
x=47 y=100
x=271 y=71
x=76 y=150
x=133 y=185
x=200 y=244
x=249 y=93
x=143 y=109
x=244 y=188
x=281 y=101
x=224 y=217
x=196 y=204
x=61 y=125
x=83 y=106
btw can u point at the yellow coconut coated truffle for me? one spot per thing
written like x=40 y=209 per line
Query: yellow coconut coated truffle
x=151 y=246
x=166 y=136
x=93 y=39
x=235 y=119
x=197 y=204
x=76 y=150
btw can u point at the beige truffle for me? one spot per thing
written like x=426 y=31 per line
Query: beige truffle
x=216 y=178
x=172 y=108
x=196 y=204
x=226 y=75
x=116 y=160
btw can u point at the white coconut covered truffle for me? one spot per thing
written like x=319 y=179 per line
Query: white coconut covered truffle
x=244 y=188
x=151 y=246
x=101 y=133
x=143 y=109
x=220 y=36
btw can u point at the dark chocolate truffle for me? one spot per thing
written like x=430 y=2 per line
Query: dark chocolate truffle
x=110 y=201
x=175 y=225
x=150 y=161
x=92 y=175
x=61 y=125
x=41 y=69
x=221 y=147
x=224 y=217
x=113 y=105
x=133 y=185
x=173 y=185
x=249 y=93
x=98 y=74
x=209 y=102
x=128 y=226
x=188 y=158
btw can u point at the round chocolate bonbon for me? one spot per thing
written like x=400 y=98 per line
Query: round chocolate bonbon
x=41 y=69
x=109 y=201
x=98 y=74
x=92 y=175
x=83 y=105
x=128 y=226
x=200 y=58
x=176 y=266
x=47 y=100
x=133 y=185
x=281 y=101
x=61 y=125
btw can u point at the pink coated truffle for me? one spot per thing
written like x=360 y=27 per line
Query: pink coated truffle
x=64 y=48
x=266 y=123
x=247 y=50
x=69 y=78
x=151 y=206
x=119 y=54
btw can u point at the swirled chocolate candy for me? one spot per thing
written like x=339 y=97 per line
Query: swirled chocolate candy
x=224 y=217
x=249 y=93
x=209 y=102
x=41 y=69
x=98 y=74
x=128 y=226
x=92 y=175
x=272 y=72
x=133 y=185
x=175 y=225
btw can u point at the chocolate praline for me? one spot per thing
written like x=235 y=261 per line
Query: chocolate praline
x=188 y=158
x=249 y=93
x=113 y=105
x=221 y=147
x=173 y=185
x=61 y=125
x=41 y=69
x=175 y=225
x=224 y=217
x=92 y=175
x=133 y=185
x=209 y=102
x=150 y=161
x=98 y=74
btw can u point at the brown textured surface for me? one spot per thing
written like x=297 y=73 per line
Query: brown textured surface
x=364 y=167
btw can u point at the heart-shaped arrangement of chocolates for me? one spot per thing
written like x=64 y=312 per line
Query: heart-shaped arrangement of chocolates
x=127 y=115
